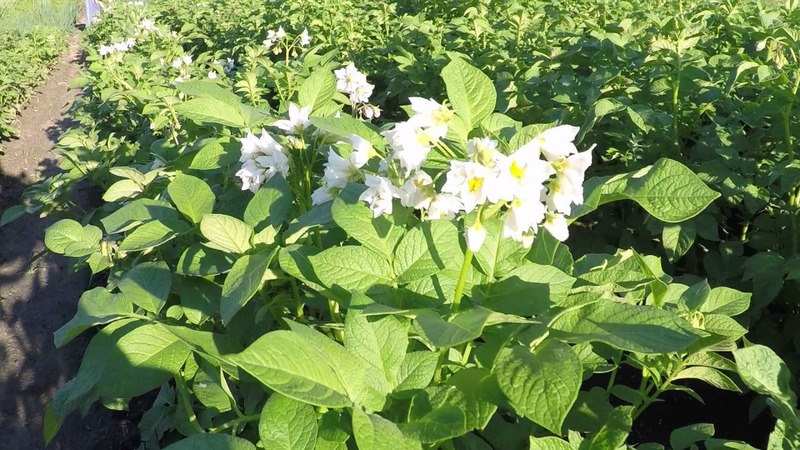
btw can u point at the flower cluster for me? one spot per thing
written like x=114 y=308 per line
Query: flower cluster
x=119 y=47
x=350 y=81
x=273 y=37
x=262 y=157
x=532 y=186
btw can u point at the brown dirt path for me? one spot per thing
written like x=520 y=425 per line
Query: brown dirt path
x=37 y=297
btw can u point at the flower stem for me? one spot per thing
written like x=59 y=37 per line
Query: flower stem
x=462 y=278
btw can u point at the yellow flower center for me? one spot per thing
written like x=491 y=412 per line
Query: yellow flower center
x=516 y=171
x=442 y=116
x=474 y=184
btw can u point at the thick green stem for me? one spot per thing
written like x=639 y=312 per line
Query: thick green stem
x=462 y=278
x=235 y=422
x=676 y=107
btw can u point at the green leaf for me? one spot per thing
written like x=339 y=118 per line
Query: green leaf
x=355 y=218
x=191 y=196
x=438 y=424
x=147 y=285
x=549 y=443
x=333 y=433
x=136 y=356
x=288 y=363
x=361 y=383
x=470 y=91
x=136 y=212
x=726 y=301
x=226 y=233
x=498 y=255
x=317 y=89
x=416 y=371
x=287 y=424
x=614 y=430
x=152 y=234
x=316 y=217
x=678 y=239
x=207 y=387
x=243 y=281
x=381 y=343
x=205 y=111
x=12 y=213
x=201 y=261
x=458 y=329
x=68 y=237
x=527 y=291
x=548 y=251
x=271 y=204
x=208 y=89
x=421 y=251
x=344 y=126
x=122 y=189
x=668 y=190
x=682 y=438
x=214 y=154
x=642 y=329
x=376 y=433
x=541 y=384
x=711 y=376
x=95 y=307
x=763 y=371
x=206 y=441
x=352 y=268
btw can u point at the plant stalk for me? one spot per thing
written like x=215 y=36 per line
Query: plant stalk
x=462 y=278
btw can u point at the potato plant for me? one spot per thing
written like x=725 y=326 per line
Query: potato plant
x=329 y=233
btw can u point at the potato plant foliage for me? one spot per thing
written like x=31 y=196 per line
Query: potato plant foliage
x=285 y=316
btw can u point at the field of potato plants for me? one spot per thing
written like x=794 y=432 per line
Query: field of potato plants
x=27 y=52
x=472 y=225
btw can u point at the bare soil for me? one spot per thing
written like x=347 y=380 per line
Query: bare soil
x=39 y=295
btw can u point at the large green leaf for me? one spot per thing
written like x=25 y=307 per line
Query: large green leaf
x=70 y=238
x=95 y=307
x=152 y=234
x=352 y=268
x=206 y=110
x=470 y=91
x=317 y=89
x=642 y=329
x=137 y=357
x=207 y=441
x=136 y=212
x=424 y=250
x=288 y=363
x=271 y=204
x=763 y=371
x=287 y=424
x=458 y=329
x=376 y=433
x=668 y=190
x=416 y=371
x=541 y=384
x=243 y=281
x=344 y=126
x=499 y=255
x=226 y=233
x=147 y=285
x=201 y=261
x=527 y=291
x=355 y=218
x=381 y=343
x=191 y=196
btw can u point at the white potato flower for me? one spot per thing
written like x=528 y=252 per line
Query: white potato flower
x=556 y=143
x=476 y=235
x=298 y=120
x=305 y=39
x=566 y=188
x=471 y=182
x=431 y=115
x=523 y=218
x=262 y=157
x=417 y=191
x=444 y=206
x=556 y=225
x=379 y=194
